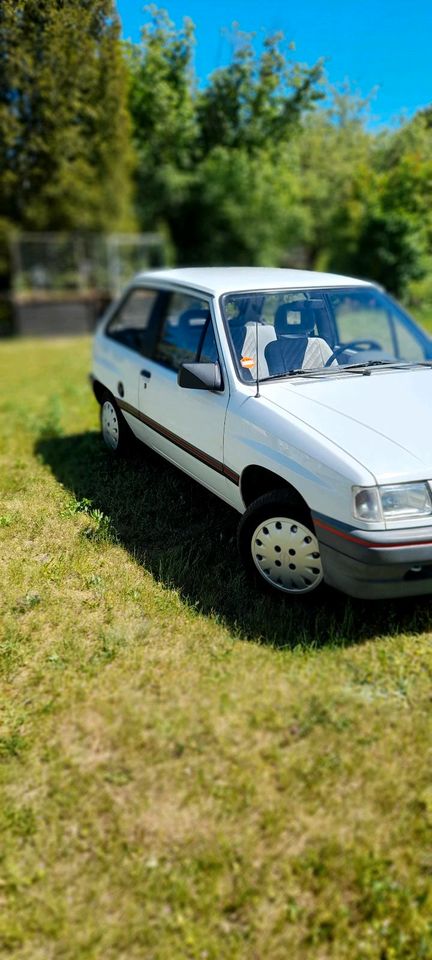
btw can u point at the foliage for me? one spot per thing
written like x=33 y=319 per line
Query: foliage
x=264 y=163
x=388 y=250
x=333 y=145
x=383 y=224
x=207 y=158
x=164 y=122
x=65 y=155
x=255 y=102
x=240 y=210
x=245 y=170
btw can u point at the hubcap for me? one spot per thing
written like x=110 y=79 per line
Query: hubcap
x=110 y=425
x=286 y=553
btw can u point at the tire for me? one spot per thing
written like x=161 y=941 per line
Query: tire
x=116 y=433
x=278 y=546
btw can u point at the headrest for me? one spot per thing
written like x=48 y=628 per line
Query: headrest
x=297 y=318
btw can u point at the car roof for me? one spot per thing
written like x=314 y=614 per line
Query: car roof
x=219 y=280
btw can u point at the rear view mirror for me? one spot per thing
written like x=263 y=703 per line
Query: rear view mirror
x=200 y=376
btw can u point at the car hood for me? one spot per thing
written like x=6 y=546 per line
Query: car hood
x=381 y=420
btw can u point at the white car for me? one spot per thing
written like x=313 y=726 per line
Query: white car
x=301 y=399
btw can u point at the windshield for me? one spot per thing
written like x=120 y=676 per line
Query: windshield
x=318 y=330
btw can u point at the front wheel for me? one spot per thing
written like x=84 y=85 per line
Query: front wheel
x=278 y=545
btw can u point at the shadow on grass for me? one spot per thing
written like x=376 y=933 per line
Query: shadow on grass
x=187 y=539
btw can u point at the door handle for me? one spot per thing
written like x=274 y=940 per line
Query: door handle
x=146 y=374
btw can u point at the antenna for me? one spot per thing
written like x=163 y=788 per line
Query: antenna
x=257 y=358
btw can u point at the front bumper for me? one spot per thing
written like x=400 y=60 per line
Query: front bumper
x=377 y=563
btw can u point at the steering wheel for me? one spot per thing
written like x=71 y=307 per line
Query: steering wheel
x=353 y=345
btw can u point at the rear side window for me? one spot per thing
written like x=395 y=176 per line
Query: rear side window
x=131 y=324
x=184 y=322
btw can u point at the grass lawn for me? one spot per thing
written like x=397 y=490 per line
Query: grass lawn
x=188 y=770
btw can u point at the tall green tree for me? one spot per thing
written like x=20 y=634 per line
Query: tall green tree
x=382 y=226
x=256 y=102
x=65 y=152
x=332 y=147
x=214 y=165
x=164 y=118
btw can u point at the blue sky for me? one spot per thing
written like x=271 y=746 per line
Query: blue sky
x=375 y=43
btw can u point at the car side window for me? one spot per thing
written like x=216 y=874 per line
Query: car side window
x=131 y=324
x=183 y=325
x=409 y=346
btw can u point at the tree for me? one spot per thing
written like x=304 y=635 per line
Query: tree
x=382 y=227
x=333 y=146
x=241 y=209
x=214 y=165
x=164 y=122
x=388 y=251
x=256 y=102
x=65 y=154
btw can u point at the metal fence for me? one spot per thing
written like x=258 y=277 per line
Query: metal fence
x=62 y=281
x=57 y=262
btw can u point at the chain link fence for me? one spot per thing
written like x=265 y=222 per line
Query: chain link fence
x=62 y=282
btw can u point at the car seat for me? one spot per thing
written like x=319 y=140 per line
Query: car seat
x=295 y=348
x=243 y=336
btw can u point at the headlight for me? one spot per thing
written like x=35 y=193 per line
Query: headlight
x=405 y=500
x=397 y=501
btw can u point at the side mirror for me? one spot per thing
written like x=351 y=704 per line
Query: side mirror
x=200 y=376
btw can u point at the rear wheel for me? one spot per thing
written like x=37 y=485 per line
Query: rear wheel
x=116 y=433
x=278 y=545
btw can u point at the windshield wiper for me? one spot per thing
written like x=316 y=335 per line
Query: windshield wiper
x=420 y=363
x=362 y=368
x=376 y=363
x=390 y=364
x=315 y=372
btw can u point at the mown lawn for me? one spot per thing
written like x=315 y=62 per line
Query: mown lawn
x=188 y=770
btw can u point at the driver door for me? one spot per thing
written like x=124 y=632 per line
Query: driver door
x=185 y=425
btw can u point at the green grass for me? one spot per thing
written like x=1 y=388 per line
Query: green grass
x=188 y=770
